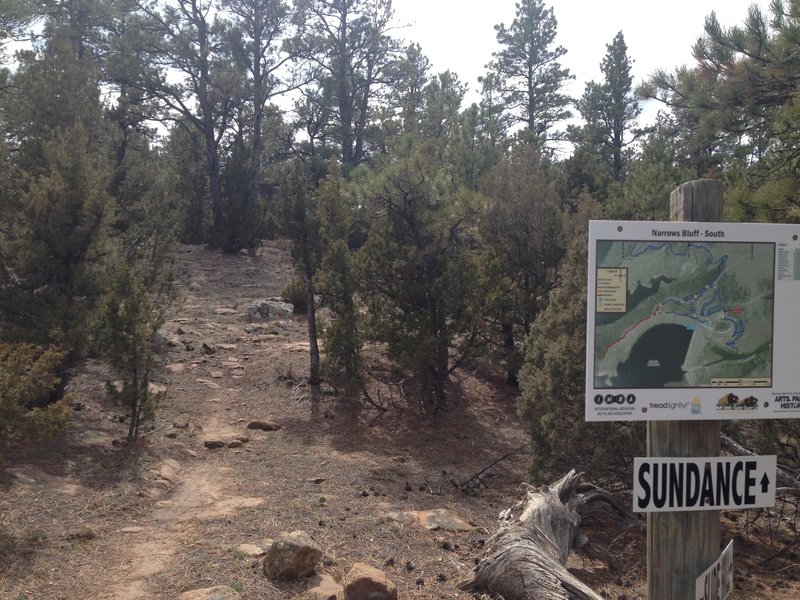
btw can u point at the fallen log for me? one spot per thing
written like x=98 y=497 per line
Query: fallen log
x=525 y=559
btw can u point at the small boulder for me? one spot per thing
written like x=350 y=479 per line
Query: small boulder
x=218 y=592
x=291 y=556
x=364 y=582
x=264 y=425
x=214 y=444
x=169 y=469
x=268 y=310
x=181 y=421
x=235 y=444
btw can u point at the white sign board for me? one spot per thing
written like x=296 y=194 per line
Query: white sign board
x=690 y=321
x=714 y=483
x=717 y=581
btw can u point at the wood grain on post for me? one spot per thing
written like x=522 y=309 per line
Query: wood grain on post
x=681 y=545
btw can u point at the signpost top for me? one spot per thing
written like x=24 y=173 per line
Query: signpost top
x=692 y=321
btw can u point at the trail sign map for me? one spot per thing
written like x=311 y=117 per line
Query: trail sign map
x=689 y=320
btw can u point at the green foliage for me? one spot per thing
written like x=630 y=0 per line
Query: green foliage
x=651 y=178
x=138 y=281
x=303 y=228
x=242 y=214
x=56 y=238
x=184 y=158
x=296 y=294
x=28 y=375
x=522 y=227
x=132 y=315
x=420 y=274
x=552 y=378
x=336 y=278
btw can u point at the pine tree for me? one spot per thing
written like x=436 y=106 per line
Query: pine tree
x=522 y=230
x=610 y=110
x=296 y=190
x=336 y=278
x=528 y=74
x=354 y=58
x=419 y=272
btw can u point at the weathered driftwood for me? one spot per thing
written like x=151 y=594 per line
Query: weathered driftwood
x=525 y=559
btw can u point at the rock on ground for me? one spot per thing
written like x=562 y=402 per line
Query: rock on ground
x=365 y=582
x=268 y=310
x=219 y=592
x=292 y=556
x=324 y=587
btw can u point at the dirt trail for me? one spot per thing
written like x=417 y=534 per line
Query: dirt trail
x=200 y=492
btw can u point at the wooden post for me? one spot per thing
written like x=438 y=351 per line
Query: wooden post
x=681 y=545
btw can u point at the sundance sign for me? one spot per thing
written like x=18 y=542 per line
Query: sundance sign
x=682 y=484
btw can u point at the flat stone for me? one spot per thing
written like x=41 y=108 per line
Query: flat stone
x=227 y=346
x=176 y=368
x=218 y=592
x=181 y=421
x=264 y=425
x=213 y=444
x=255 y=550
x=131 y=529
x=235 y=444
x=434 y=520
x=169 y=469
x=156 y=389
x=217 y=374
x=324 y=587
x=208 y=383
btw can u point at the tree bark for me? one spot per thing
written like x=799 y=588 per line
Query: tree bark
x=525 y=559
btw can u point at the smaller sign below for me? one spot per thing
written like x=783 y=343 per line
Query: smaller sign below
x=713 y=483
x=716 y=583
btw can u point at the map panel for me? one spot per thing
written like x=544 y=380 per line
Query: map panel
x=692 y=321
x=683 y=314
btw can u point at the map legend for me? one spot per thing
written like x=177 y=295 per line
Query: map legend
x=788 y=263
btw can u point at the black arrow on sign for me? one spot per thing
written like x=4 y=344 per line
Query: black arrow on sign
x=764 y=484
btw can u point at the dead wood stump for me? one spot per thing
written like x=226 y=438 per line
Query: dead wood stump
x=525 y=559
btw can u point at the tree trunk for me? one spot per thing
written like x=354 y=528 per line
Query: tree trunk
x=313 y=342
x=525 y=559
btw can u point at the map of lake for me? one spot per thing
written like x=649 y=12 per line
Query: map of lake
x=683 y=314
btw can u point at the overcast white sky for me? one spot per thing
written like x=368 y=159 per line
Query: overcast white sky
x=459 y=34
